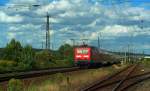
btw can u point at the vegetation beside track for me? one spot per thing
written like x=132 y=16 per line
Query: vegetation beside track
x=72 y=81
x=15 y=57
x=146 y=62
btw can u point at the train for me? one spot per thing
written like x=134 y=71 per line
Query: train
x=85 y=55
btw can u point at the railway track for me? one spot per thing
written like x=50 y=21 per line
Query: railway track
x=29 y=74
x=120 y=81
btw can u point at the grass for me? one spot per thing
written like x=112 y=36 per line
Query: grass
x=146 y=63
x=7 y=65
x=72 y=81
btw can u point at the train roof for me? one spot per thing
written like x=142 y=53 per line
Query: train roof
x=80 y=46
x=93 y=47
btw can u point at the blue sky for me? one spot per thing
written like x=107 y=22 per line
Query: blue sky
x=118 y=23
x=3 y=2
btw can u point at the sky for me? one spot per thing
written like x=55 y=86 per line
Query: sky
x=120 y=24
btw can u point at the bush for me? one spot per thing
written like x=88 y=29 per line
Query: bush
x=15 y=85
x=6 y=65
x=146 y=62
x=63 y=63
x=27 y=58
x=43 y=59
x=43 y=55
x=1 y=88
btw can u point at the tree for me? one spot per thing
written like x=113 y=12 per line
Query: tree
x=66 y=52
x=27 y=57
x=43 y=59
x=12 y=50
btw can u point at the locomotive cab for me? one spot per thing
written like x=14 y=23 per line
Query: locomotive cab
x=82 y=56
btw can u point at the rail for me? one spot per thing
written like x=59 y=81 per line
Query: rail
x=29 y=74
x=119 y=81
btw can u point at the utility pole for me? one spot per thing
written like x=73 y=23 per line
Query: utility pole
x=143 y=54
x=42 y=44
x=125 y=56
x=128 y=52
x=98 y=42
x=52 y=46
x=73 y=42
x=47 y=33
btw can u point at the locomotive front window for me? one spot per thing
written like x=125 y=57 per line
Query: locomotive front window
x=82 y=51
x=79 y=51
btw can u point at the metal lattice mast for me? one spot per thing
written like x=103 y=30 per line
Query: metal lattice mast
x=47 y=33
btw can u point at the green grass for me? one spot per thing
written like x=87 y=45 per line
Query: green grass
x=15 y=85
x=146 y=62
x=6 y=65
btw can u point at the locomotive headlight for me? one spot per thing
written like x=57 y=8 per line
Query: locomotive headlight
x=78 y=56
x=86 y=56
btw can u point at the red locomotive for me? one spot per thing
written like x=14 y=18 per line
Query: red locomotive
x=83 y=53
x=88 y=55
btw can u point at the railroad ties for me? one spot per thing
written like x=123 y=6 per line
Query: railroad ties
x=120 y=81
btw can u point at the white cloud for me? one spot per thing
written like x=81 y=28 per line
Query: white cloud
x=66 y=29
x=79 y=10
x=51 y=32
x=23 y=1
x=54 y=7
x=7 y=19
x=136 y=13
x=11 y=35
x=115 y=30
x=13 y=28
x=26 y=27
x=68 y=41
x=110 y=32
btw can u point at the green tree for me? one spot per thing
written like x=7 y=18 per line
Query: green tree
x=43 y=59
x=12 y=50
x=27 y=58
x=66 y=52
x=43 y=55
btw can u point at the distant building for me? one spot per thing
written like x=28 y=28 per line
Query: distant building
x=147 y=57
